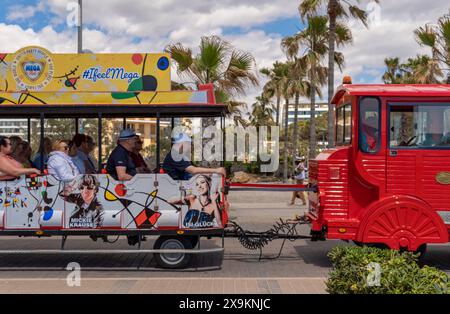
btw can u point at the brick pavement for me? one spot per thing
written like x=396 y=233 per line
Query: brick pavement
x=302 y=268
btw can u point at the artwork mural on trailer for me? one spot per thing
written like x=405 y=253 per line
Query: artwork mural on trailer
x=34 y=76
x=88 y=211
x=98 y=201
x=202 y=202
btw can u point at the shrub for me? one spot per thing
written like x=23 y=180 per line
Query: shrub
x=400 y=273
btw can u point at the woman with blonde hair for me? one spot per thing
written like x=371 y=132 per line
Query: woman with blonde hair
x=60 y=164
x=204 y=207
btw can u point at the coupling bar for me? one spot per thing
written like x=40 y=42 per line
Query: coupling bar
x=271 y=187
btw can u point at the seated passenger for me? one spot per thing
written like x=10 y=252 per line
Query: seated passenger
x=120 y=165
x=60 y=165
x=80 y=159
x=10 y=169
x=15 y=140
x=180 y=167
x=369 y=135
x=139 y=162
x=22 y=154
x=87 y=150
x=47 y=150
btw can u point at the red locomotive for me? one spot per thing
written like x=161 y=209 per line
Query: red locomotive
x=387 y=182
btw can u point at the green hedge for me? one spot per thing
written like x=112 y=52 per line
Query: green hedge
x=400 y=273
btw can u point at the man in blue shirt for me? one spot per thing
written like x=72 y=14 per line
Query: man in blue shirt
x=120 y=164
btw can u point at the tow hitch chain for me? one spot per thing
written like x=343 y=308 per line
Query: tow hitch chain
x=282 y=229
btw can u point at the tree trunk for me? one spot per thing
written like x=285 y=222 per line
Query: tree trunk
x=206 y=122
x=312 y=124
x=295 y=135
x=286 y=120
x=332 y=7
x=278 y=110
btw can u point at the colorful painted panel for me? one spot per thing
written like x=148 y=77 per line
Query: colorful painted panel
x=148 y=201
x=97 y=98
x=36 y=69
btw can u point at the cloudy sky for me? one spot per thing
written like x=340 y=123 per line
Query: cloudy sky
x=256 y=26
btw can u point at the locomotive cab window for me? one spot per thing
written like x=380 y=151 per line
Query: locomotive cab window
x=344 y=125
x=369 y=125
x=419 y=126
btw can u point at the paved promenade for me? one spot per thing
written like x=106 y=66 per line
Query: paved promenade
x=302 y=267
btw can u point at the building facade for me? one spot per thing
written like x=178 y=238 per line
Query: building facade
x=304 y=111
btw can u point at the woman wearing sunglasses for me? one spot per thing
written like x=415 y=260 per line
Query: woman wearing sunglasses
x=88 y=211
x=60 y=165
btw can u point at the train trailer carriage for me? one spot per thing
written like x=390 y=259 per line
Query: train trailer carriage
x=387 y=182
x=38 y=85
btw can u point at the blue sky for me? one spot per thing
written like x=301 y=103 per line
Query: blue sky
x=256 y=26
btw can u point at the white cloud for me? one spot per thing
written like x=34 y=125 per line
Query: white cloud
x=22 y=12
x=114 y=25
x=392 y=36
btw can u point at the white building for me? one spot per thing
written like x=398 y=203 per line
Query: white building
x=304 y=111
x=11 y=127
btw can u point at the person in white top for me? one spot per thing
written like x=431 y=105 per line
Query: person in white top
x=60 y=165
x=299 y=178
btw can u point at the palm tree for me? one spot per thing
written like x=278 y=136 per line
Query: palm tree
x=273 y=88
x=313 y=41
x=422 y=70
x=419 y=70
x=298 y=84
x=286 y=91
x=437 y=38
x=262 y=112
x=336 y=9
x=394 y=73
x=230 y=70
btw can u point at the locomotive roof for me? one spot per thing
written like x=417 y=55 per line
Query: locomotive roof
x=399 y=90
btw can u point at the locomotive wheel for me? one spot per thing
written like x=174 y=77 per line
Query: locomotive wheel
x=402 y=222
x=172 y=260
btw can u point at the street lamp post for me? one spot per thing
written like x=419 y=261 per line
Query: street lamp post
x=80 y=26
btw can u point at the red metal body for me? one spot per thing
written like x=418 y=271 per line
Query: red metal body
x=398 y=196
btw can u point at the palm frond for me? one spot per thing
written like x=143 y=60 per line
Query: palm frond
x=290 y=46
x=359 y=14
x=309 y=7
x=181 y=55
x=343 y=34
x=426 y=36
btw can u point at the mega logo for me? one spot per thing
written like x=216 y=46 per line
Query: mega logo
x=33 y=70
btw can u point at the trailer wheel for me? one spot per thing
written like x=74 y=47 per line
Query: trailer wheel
x=172 y=260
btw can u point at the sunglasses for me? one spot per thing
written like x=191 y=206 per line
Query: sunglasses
x=84 y=187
